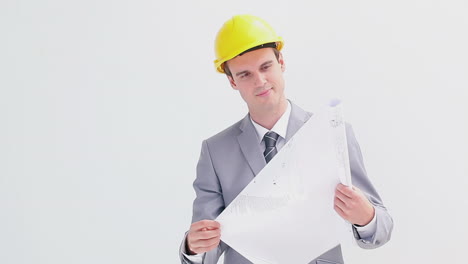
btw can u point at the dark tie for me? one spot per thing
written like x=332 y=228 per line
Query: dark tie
x=270 y=139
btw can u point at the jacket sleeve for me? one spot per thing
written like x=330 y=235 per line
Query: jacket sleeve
x=384 y=222
x=208 y=204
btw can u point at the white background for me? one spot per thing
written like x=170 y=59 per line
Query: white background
x=104 y=104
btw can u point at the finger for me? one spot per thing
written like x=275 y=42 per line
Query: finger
x=205 y=224
x=340 y=204
x=202 y=243
x=209 y=228
x=345 y=190
x=205 y=245
x=345 y=199
x=339 y=211
x=206 y=234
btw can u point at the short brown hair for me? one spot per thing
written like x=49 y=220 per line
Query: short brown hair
x=228 y=72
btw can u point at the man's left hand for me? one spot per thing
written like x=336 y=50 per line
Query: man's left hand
x=353 y=205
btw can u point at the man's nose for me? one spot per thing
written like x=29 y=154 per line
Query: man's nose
x=260 y=79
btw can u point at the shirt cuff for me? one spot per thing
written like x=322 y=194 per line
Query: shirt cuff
x=367 y=230
x=195 y=259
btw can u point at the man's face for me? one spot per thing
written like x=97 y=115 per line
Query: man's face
x=258 y=76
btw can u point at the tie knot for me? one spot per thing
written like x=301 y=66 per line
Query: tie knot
x=270 y=139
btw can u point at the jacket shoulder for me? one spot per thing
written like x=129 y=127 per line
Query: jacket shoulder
x=227 y=134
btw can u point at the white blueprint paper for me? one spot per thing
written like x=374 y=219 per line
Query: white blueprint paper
x=286 y=215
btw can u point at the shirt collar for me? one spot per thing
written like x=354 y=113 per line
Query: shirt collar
x=279 y=128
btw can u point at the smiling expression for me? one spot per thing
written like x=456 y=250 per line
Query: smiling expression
x=258 y=76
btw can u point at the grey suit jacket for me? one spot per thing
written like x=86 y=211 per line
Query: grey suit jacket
x=230 y=160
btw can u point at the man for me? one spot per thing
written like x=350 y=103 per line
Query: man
x=248 y=52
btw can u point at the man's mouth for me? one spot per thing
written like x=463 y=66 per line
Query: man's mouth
x=264 y=93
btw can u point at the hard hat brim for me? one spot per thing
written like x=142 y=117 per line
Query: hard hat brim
x=219 y=64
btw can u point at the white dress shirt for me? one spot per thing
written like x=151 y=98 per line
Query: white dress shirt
x=279 y=128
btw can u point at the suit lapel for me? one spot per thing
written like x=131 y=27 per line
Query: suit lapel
x=250 y=146
x=296 y=120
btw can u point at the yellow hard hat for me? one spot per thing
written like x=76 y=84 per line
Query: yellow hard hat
x=240 y=33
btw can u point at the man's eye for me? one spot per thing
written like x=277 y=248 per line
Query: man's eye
x=245 y=75
x=266 y=67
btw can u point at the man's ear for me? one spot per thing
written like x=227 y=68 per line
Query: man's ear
x=232 y=82
x=281 y=62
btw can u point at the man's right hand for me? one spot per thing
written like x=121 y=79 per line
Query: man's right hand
x=203 y=236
